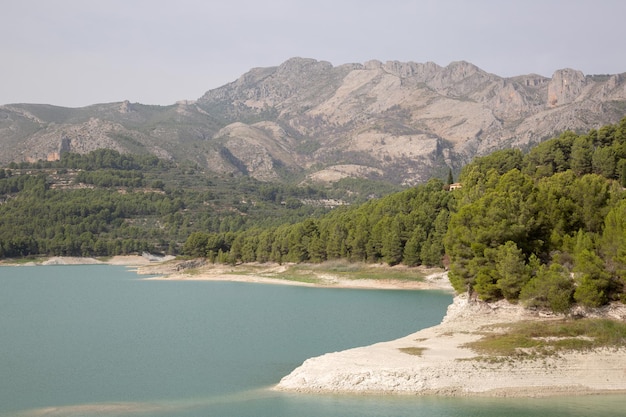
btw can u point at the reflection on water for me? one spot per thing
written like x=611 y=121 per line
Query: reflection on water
x=268 y=403
x=87 y=410
x=152 y=408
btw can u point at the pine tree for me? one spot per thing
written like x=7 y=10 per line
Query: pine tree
x=450 y=177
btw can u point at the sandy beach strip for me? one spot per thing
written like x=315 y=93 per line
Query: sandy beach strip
x=375 y=284
x=434 y=279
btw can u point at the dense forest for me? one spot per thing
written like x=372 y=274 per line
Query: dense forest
x=546 y=227
x=406 y=227
x=105 y=203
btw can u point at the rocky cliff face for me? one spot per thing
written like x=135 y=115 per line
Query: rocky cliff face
x=401 y=121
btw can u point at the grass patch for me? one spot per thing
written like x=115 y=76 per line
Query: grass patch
x=414 y=350
x=504 y=345
x=537 y=338
x=291 y=274
x=192 y=271
x=357 y=271
x=300 y=278
x=339 y=266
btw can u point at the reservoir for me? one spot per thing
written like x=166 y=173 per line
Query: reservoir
x=97 y=340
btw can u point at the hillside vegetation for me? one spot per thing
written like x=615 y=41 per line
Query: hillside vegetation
x=547 y=228
x=105 y=203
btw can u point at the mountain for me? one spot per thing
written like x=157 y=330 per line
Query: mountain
x=401 y=122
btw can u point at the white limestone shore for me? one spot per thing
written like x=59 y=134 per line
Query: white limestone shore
x=445 y=367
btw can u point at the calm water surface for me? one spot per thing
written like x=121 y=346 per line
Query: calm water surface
x=98 y=341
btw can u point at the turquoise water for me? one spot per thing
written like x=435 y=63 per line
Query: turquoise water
x=98 y=341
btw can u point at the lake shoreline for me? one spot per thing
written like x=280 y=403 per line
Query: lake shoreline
x=171 y=269
x=439 y=363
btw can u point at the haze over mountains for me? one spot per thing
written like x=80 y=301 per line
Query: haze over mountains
x=401 y=122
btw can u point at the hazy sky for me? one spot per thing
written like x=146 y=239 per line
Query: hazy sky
x=80 y=52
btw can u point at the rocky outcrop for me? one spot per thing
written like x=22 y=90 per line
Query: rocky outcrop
x=400 y=121
x=565 y=87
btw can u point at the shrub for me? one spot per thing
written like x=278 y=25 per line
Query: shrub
x=551 y=288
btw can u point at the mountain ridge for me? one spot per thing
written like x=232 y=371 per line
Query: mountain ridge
x=307 y=119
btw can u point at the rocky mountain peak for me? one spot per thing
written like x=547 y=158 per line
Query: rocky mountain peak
x=400 y=121
x=421 y=72
x=302 y=66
